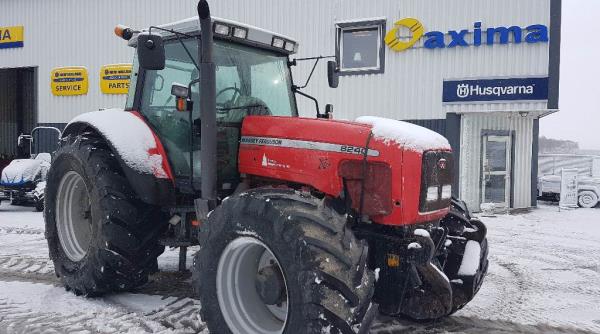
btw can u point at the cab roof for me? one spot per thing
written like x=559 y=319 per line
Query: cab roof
x=255 y=36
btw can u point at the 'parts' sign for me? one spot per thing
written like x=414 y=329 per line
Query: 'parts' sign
x=11 y=37
x=69 y=81
x=407 y=32
x=114 y=79
x=489 y=90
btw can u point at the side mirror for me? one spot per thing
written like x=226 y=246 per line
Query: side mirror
x=151 y=51
x=333 y=75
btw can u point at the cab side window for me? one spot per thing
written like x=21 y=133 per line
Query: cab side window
x=158 y=105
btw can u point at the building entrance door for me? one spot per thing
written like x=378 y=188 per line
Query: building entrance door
x=495 y=181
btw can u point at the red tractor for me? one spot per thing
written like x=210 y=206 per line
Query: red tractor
x=303 y=224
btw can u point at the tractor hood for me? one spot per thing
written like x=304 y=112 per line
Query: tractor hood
x=404 y=134
x=334 y=156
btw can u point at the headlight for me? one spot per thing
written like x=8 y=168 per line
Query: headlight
x=446 y=191
x=290 y=46
x=432 y=194
x=240 y=32
x=278 y=42
x=221 y=29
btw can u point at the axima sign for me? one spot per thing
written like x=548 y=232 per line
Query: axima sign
x=535 y=33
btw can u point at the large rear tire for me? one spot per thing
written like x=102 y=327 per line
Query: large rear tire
x=101 y=237
x=276 y=261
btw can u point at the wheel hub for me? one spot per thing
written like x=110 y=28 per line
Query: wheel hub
x=270 y=285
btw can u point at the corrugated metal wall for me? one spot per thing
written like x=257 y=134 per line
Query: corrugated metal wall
x=67 y=32
x=471 y=146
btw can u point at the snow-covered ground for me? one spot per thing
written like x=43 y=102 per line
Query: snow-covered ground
x=544 y=277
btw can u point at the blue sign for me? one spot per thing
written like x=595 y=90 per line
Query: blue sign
x=486 y=90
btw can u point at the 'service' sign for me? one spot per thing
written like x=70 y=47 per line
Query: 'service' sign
x=69 y=81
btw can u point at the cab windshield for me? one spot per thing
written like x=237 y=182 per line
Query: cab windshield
x=249 y=81
x=246 y=78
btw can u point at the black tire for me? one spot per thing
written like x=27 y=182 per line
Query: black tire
x=124 y=231
x=39 y=206
x=324 y=265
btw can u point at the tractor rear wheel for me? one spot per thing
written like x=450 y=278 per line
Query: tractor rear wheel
x=277 y=261
x=101 y=237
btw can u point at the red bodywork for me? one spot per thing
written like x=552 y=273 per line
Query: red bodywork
x=304 y=157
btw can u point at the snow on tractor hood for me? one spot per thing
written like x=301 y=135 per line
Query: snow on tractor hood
x=21 y=171
x=135 y=143
x=407 y=135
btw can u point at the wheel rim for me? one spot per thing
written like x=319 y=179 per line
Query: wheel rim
x=587 y=200
x=73 y=216
x=241 y=305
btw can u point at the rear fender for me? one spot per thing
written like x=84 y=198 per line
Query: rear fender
x=138 y=150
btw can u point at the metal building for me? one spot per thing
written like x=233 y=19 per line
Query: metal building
x=482 y=73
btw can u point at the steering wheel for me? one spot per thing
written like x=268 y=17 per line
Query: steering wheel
x=236 y=93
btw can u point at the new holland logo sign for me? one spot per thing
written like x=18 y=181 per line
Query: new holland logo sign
x=11 y=37
x=535 y=33
x=487 y=90
x=114 y=79
x=69 y=81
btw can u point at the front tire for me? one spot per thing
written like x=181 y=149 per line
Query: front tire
x=317 y=278
x=101 y=237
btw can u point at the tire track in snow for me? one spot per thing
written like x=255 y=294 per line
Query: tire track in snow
x=181 y=315
x=25 y=264
x=20 y=230
x=465 y=325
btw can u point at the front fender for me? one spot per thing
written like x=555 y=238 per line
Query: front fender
x=139 y=151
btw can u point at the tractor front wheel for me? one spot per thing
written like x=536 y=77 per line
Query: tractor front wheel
x=277 y=261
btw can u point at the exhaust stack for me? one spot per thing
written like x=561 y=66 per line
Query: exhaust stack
x=208 y=136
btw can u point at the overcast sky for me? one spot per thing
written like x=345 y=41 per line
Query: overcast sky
x=579 y=116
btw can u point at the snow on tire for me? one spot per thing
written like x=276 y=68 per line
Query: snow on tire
x=317 y=266
x=101 y=237
x=587 y=199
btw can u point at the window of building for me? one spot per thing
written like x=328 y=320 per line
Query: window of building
x=360 y=47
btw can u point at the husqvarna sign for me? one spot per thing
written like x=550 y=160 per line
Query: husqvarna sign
x=489 y=90
x=477 y=36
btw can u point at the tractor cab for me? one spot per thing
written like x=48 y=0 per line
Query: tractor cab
x=252 y=78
